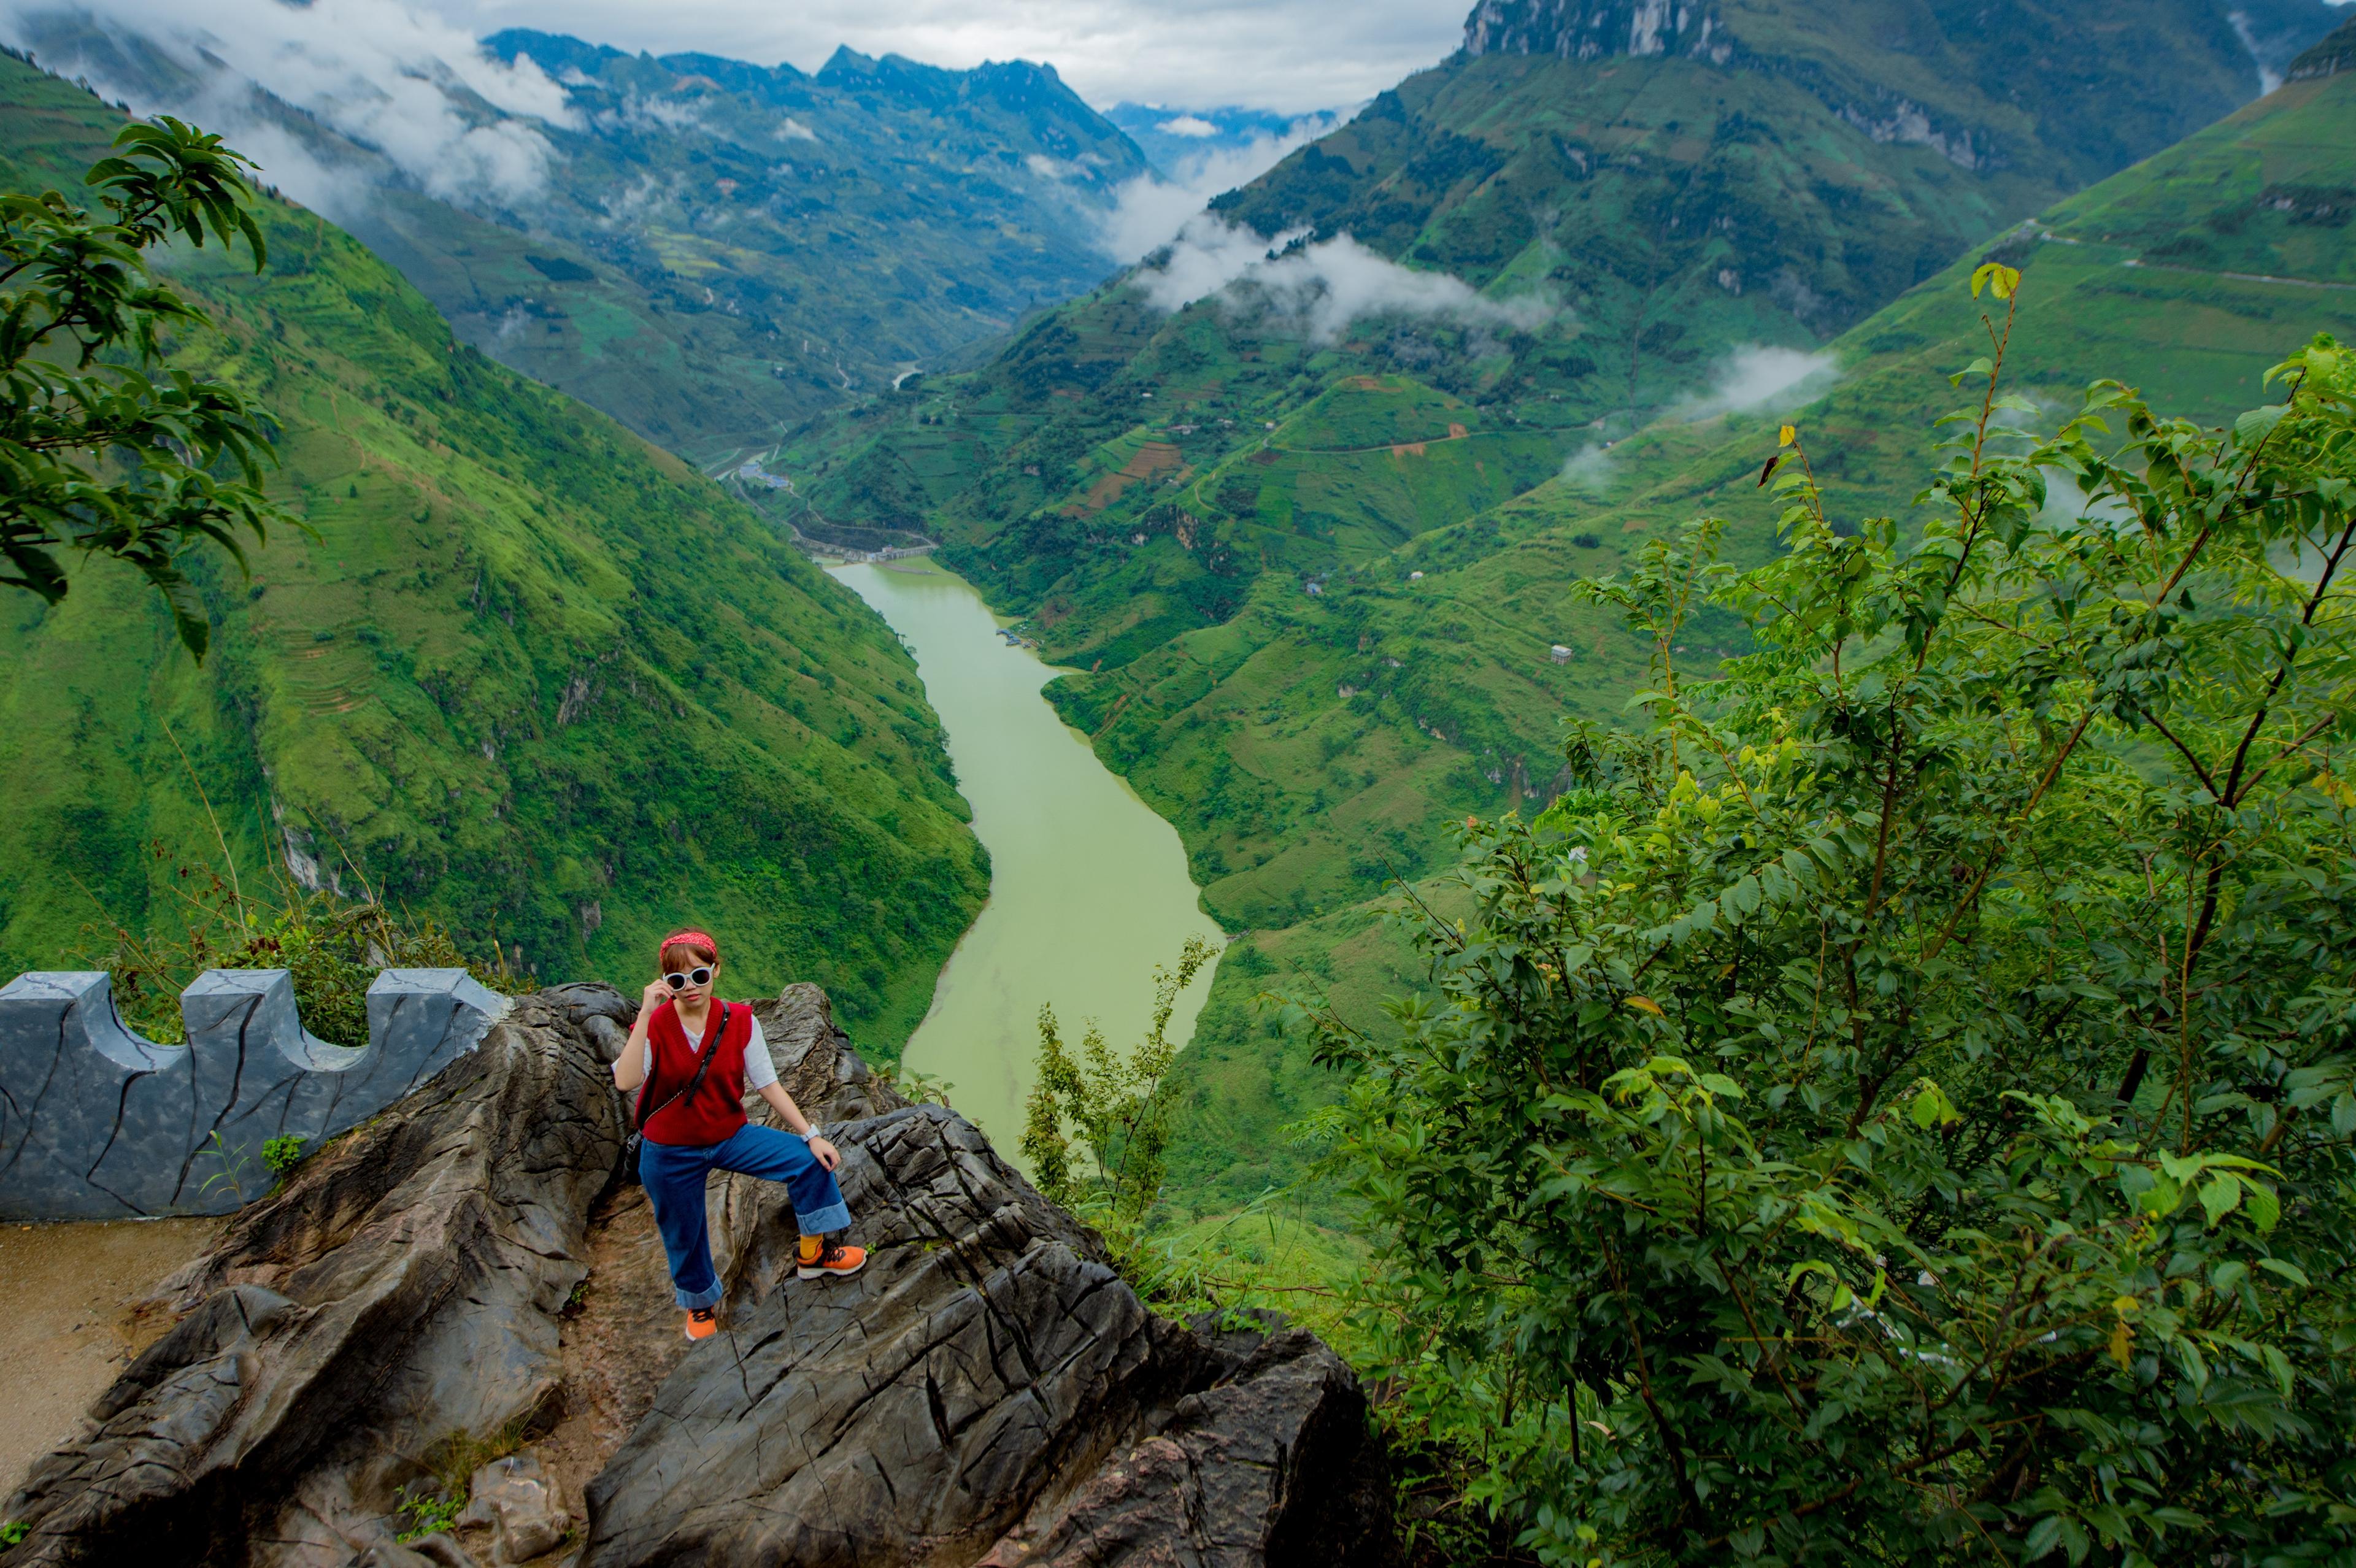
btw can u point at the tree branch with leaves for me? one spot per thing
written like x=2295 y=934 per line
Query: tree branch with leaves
x=104 y=449
x=1903 y=1109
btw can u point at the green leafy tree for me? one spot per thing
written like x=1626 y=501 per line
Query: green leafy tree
x=1097 y=1128
x=1900 y=1109
x=103 y=449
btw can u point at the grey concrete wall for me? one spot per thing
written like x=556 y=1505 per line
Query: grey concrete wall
x=98 y=1124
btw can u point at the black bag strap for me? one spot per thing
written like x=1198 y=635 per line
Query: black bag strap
x=711 y=1048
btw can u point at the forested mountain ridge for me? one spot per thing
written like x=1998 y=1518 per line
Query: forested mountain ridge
x=1135 y=476
x=1650 y=214
x=2017 y=82
x=1316 y=588
x=2187 y=274
x=535 y=678
x=2332 y=55
x=711 y=249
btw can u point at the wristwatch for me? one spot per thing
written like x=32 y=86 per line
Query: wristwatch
x=811 y=1134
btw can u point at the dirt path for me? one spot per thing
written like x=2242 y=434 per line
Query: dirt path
x=66 y=1326
x=619 y=1344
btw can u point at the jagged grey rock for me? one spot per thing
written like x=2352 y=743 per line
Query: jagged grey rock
x=989 y=1390
x=436 y=1551
x=1271 y=1464
x=517 y=1499
x=98 y=1124
x=974 y=1394
x=405 y=1285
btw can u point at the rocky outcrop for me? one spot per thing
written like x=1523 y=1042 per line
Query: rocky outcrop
x=2335 y=54
x=1593 y=29
x=989 y=1391
x=404 y=1288
x=1270 y=1463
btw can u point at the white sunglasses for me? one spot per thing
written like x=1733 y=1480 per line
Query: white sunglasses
x=698 y=976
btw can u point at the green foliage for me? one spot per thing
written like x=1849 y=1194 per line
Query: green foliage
x=538 y=681
x=235 y=1171
x=334 y=948
x=101 y=452
x=280 y=1156
x=916 y=1088
x=14 y=1532
x=1909 y=1119
x=1225 y=729
x=1099 y=1124
x=451 y=1461
x=734 y=294
x=426 y=1511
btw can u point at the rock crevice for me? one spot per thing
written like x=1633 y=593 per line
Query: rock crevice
x=989 y=1390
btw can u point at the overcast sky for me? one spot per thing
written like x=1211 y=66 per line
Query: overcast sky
x=1291 y=56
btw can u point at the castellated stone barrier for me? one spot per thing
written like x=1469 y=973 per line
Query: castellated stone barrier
x=99 y=1123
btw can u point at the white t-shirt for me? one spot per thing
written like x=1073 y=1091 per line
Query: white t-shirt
x=759 y=1070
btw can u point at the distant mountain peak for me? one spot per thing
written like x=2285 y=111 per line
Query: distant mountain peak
x=1012 y=82
x=2336 y=53
x=1591 y=29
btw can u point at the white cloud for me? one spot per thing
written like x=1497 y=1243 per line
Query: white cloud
x=643 y=113
x=793 y=130
x=632 y=204
x=1757 y=375
x=1588 y=469
x=1318 y=289
x=1187 y=125
x=1149 y=212
x=405 y=81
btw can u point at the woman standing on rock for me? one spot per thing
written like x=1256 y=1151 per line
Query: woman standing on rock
x=692 y=1061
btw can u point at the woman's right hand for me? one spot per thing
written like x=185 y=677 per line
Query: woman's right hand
x=656 y=991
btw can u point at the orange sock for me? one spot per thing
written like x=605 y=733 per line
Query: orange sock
x=811 y=1247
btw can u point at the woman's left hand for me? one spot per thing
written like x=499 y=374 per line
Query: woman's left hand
x=829 y=1157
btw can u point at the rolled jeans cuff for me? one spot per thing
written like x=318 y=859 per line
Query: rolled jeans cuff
x=692 y=1300
x=824 y=1221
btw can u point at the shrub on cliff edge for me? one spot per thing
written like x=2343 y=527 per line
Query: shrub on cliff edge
x=1901 y=1109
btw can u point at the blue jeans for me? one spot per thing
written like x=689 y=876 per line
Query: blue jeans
x=674 y=1181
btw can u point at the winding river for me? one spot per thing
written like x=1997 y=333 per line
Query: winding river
x=1088 y=887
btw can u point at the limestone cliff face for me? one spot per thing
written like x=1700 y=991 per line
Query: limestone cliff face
x=2335 y=54
x=1988 y=84
x=1589 y=30
x=987 y=1392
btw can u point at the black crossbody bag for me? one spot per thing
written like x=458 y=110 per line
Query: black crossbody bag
x=631 y=1145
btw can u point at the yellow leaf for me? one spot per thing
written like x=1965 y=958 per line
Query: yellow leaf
x=1997 y=278
x=2121 y=1338
x=1646 y=1004
x=1787 y=436
x=2124 y=1305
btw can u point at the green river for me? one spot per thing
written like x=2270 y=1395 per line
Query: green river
x=1088 y=888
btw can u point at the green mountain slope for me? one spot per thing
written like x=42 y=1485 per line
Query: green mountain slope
x=1212 y=501
x=1316 y=581
x=2187 y=276
x=1634 y=207
x=535 y=678
x=718 y=249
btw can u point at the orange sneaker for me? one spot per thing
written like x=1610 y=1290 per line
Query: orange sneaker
x=701 y=1324
x=834 y=1259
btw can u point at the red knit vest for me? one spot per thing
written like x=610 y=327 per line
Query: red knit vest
x=713 y=1113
